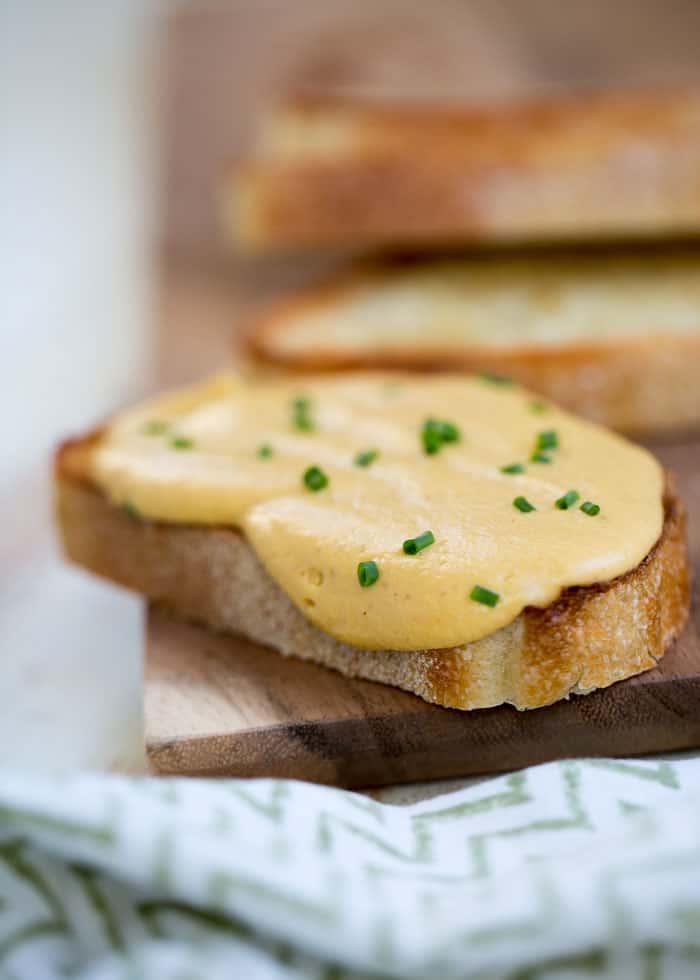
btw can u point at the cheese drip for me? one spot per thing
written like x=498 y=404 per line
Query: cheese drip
x=312 y=542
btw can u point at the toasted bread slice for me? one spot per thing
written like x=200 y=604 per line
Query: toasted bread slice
x=590 y=638
x=614 y=337
x=342 y=173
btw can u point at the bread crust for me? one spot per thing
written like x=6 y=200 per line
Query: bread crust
x=589 y=638
x=641 y=384
x=590 y=167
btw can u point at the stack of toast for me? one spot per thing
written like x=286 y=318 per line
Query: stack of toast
x=402 y=494
x=587 y=293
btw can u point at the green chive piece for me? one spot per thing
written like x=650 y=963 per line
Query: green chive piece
x=432 y=441
x=303 y=423
x=495 y=379
x=181 y=442
x=131 y=510
x=315 y=479
x=413 y=545
x=567 y=501
x=485 y=596
x=367 y=573
x=156 y=427
x=301 y=414
x=449 y=432
x=590 y=508
x=265 y=451
x=366 y=457
x=523 y=504
x=435 y=432
x=539 y=408
x=513 y=468
x=547 y=440
x=540 y=458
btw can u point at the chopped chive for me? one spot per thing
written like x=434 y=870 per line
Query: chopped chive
x=131 y=510
x=315 y=479
x=366 y=457
x=540 y=458
x=485 y=596
x=413 y=545
x=301 y=414
x=432 y=441
x=449 y=432
x=265 y=451
x=539 y=408
x=304 y=424
x=181 y=442
x=435 y=432
x=547 y=440
x=156 y=427
x=495 y=379
x=523 y=504
x=590 y=508
x=367 y=573
x=567 y=501
x=513 y=468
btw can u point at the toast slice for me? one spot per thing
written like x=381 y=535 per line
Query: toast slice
x=614 y=337
x=589 y=638
x=333 y=172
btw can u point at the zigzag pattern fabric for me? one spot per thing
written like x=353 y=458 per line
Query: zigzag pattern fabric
x=564 y=871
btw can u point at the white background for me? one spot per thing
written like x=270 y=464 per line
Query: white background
x=76 y=167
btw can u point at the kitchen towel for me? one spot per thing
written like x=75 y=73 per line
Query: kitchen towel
x=574 y=869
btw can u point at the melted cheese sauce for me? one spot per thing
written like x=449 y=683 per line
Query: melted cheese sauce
x=311 y=542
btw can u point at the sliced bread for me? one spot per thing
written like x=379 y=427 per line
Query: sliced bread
x=589 y=638
x=614 y=336
x=334 y=172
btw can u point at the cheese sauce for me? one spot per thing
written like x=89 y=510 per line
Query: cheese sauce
x=193 y=457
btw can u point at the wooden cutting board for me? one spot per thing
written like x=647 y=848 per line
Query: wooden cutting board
x=219 y=705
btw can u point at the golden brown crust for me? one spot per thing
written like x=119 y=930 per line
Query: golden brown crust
x=589 y=638
x=645 y=384
x=591 y=167
x=572 y=126
x=72 y=459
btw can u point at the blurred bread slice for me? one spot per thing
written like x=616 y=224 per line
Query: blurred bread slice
x=333 y=172
x=613 y=336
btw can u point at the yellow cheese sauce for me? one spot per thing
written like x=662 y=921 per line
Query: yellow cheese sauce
x=193 y=457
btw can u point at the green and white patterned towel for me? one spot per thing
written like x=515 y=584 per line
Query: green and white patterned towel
x=569 y=870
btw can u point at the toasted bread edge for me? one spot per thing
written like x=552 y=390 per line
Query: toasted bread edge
x=641 y=384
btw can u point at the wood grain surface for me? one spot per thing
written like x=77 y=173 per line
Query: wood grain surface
x=220 y=705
